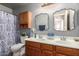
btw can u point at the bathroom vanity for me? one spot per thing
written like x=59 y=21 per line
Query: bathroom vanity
x=40 y=47
x=63 y=21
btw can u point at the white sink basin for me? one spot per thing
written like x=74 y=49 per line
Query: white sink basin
x=66 y=43
x=63 y=42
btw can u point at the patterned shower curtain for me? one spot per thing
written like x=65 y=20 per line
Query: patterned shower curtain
x=8 y=32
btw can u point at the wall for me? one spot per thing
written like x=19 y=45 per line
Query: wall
x=6 y=9
x=36 y=9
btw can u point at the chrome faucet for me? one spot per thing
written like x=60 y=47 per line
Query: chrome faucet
x=63 y=38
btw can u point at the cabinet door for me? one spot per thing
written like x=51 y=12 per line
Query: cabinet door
x=59 y=54
x=37 y=52
x=47 y=53
x=31 y=51
x=27 y=51
x=33 y=44
x=47 y=47
x=67 y=51
x=30 y=19
x=25 y=17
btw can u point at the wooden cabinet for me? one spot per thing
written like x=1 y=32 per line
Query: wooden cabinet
x=33 y=44
x=59 y=54
x=31 y=51
x=47 y=53
x=47 y=47
x=32 y=48
x=47 y=50
x=27 y=51
x=67 y=51
x=25 y=19
x=41 y=49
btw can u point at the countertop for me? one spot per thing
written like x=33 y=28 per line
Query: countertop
x=57 y=42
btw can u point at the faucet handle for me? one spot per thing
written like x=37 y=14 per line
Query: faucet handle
x=63 y=38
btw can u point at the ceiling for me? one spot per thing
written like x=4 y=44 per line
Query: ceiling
x=19 y=5
x=15 y=5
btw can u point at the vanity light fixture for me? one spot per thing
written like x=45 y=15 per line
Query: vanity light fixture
x=46 y=4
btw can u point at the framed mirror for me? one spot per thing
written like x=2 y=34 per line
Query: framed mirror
x=42 y=22
x=64 y=20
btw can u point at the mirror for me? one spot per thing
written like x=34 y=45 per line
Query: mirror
x=42 y=21
x=64 y=20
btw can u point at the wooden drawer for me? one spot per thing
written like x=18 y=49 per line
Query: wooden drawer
x=67 y=51
x=59 y=54
x=31 y=51
x=47 y=53
x=47 y=47
x=33 y=44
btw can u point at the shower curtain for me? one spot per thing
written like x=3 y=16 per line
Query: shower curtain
x=8 y=32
